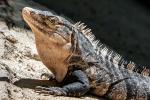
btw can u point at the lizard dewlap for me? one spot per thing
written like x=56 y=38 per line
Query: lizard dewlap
x=81 y=63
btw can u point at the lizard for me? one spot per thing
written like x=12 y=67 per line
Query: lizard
x=82 y=64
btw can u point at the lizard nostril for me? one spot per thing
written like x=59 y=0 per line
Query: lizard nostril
x=25 y=12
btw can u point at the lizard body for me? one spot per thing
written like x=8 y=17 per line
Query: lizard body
x=81 y=63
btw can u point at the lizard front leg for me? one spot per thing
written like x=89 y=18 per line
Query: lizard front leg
x=78 y=88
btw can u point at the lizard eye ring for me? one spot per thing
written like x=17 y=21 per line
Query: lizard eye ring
x=53 y=20
x=32 y=13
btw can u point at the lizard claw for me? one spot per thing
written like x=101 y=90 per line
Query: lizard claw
x=47 y=76
x=57 y=91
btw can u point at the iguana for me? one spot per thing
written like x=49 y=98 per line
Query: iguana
x=81 y=63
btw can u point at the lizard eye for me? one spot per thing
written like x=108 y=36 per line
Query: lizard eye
x=53 y=20
x=31 y=13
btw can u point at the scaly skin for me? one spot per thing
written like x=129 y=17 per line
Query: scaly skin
x=81 y=63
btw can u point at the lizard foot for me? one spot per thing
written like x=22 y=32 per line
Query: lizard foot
x=57 y=91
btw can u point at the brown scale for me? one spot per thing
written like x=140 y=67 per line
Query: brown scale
x=131 y=66
x=101 y=89
x=76 y=62
x=145 y=72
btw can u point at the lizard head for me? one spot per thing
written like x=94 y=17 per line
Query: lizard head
x=57 y=39
x=46 y=23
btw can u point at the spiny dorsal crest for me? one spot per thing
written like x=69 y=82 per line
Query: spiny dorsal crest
x=102 y=49
x=131 y=66
x=87 y=32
